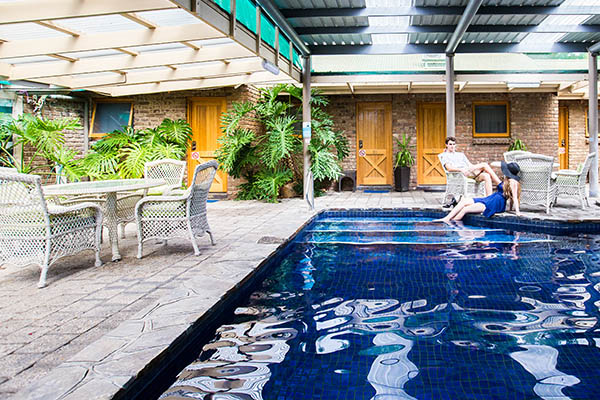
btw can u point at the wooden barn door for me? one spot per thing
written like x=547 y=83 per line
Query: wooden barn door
x=204 y=116
x=563 y=137
x=431 y=134
x=374 y=144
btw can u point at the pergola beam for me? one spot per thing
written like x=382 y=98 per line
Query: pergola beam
x=462 y=25
x=42 y=10
x=124 y=62
x=171 y=74
x=52 y=25
x=434 y=10
x=102 y=41
x=258 y=77
x=365 y=30
x=139 y=20
x=409 y=48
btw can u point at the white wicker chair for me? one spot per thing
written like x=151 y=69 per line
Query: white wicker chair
x=537 y=185
x=34 y=232
x=459 y=185
x=184 y=215
x=172 y=171
x=509 y=156
x=572 y=183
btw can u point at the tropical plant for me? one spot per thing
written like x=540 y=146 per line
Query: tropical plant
x=123 y=153
x=517 y=144
x=46 y=138
x=404 y=157
x=270 y=160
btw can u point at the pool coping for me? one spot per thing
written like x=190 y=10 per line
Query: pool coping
x=120 y=361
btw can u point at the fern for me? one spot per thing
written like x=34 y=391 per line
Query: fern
x=324 y=164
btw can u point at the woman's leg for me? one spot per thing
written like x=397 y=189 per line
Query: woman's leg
x=464 y=202
x=474 y=208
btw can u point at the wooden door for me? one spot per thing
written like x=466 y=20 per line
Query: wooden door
x=563 y=137
x=374 y=143
x=431 y=134
x=204 y=116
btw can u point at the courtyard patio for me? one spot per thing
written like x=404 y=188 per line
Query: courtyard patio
x=70 y=339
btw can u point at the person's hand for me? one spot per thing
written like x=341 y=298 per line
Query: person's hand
x=518 y=213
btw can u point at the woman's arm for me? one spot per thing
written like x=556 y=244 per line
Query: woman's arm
x=514 y=188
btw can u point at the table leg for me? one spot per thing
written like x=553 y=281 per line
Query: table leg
x=111 y=223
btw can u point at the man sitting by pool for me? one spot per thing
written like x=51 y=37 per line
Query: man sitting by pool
x=455 y=161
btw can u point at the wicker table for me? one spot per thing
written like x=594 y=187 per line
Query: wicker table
x=109 y=189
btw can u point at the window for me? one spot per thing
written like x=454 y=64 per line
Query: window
x=490 y=119
x=110 y=116
x=587 y=123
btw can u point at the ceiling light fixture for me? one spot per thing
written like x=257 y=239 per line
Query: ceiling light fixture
x=512 y=85
x=269 y=66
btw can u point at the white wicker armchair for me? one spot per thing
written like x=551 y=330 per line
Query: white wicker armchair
x=184 y=215
x=537 y=185
x=172 y=171
x=459 y=185
x=509 y=156
x=34 y=232
x=572 y=183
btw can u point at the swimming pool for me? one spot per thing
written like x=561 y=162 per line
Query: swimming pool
x=387 y=307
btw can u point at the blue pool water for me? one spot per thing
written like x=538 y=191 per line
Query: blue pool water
x=402 y=308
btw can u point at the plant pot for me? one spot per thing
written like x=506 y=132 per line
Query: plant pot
x=401 y=179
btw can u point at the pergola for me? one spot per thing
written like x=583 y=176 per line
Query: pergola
x=120 y=48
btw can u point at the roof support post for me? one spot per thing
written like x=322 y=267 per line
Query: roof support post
x=463 y=24
x=308 y=188
x=450 y=113
x=593 y=120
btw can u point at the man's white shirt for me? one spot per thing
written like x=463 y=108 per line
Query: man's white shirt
x=456 y=159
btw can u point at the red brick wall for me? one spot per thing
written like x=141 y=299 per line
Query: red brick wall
x=578 y=143
x=533 y=118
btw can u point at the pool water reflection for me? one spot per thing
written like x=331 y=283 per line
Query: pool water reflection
x=402 y=308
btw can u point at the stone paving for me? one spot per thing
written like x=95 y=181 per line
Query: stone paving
x=94 y=328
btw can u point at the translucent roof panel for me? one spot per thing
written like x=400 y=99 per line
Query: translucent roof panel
x=35 y=59
x=100 y=24
x=428 y=38
x=158 y=47
x=493 y=37
x=390 y=39
x=337 y=39
x=95 y=53
x=27 y=31
x=319 y=3
x=172 y=17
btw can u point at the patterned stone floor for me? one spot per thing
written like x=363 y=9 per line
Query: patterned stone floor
x=69 y=340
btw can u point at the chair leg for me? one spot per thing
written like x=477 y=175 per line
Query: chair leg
x=194 y=244
x=212 y=240
x=140 y=249
x=98 y=262
x=122 y=225
x=42 y=281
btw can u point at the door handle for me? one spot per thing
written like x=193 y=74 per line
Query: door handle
x=360 y=144
x=193 y=145
x=562 y=143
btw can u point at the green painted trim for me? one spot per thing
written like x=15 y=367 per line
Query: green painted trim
x=578 y=71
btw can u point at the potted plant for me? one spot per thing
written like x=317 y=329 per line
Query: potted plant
x=517 y=144
x=404 y=160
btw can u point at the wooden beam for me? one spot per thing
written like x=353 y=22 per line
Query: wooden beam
x=129 y=90
x=52 y=25
x=64 y=58
x=101 y=41
x=139 y=20
x=130 y=52
x=190 y=45
x=174 y=74
x=122 y=62
x=42 y=10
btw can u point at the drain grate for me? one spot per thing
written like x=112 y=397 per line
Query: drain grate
x=270 y=240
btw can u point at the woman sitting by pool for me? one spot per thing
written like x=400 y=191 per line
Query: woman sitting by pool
x=508 y=190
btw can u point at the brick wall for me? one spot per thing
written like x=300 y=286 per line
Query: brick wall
x=578 y=143
x=533 y=118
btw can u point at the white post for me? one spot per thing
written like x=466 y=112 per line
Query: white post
x=593 y=120
x=450 y=114
x=308 y=189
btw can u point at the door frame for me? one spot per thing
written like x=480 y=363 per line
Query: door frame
x=190 y=102
x=389 y=145
x=419 y=116
x=565 y=110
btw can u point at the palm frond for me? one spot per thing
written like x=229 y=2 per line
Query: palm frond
x=269 y=182
x=167 y=150
x=135 y=156
x=175 y=131
x=324 y=164
x=281 y=141
x=101 y=165
x=232 y=147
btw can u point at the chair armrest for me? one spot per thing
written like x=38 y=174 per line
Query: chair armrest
x=58 y=209
x=567 y=172
x=174 y=191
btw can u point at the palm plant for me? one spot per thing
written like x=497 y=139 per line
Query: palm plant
x=46 y=138
x=123 y=153
x=271 y=160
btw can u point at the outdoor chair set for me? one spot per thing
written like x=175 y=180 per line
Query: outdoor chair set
x=34 y=230
x=539 y=184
